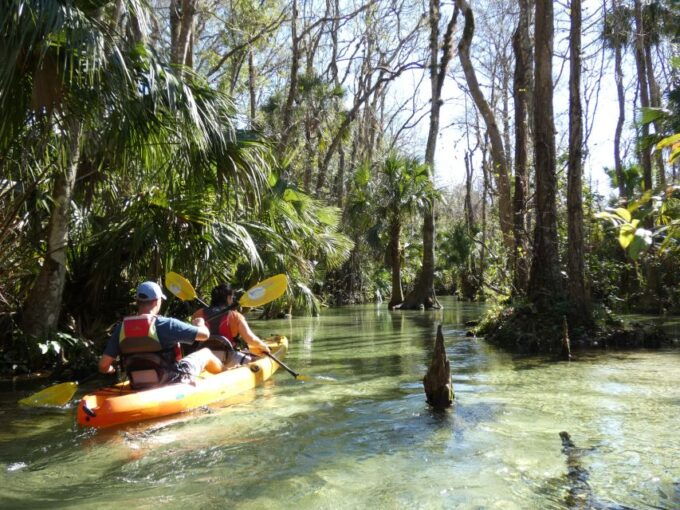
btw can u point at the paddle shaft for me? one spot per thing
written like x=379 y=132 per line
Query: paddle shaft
x=91 y=376
x=282 y=364
x=220 y=313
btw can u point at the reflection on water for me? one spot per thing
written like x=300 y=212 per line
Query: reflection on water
x=365 y=437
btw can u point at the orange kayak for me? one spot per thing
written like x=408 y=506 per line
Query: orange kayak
x=119 y=404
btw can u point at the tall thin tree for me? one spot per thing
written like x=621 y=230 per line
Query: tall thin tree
x=423 y=293
x=521 y=44
x=641 y=64
x=578 y=297
x=616 y=34
x=498 y=151
x=545 y=282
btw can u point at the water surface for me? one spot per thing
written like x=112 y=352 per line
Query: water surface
x=361 y=436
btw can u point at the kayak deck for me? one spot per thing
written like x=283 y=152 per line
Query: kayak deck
x=119 y=404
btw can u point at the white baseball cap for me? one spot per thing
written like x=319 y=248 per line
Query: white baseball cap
x=149 y=291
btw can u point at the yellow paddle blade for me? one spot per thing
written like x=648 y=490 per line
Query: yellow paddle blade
x=179 y=286
x=57 y=395
x=265 y=291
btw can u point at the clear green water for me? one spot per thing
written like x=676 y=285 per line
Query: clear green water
x=361 y=436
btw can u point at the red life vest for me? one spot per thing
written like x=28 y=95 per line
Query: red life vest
x=144 y=326
x=139 y=326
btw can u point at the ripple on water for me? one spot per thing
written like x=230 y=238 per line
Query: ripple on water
x=367 y=438
x=16 y=466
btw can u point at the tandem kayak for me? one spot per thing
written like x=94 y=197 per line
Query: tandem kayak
x=119 y=404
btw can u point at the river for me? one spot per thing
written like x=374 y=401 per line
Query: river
x=360 y=434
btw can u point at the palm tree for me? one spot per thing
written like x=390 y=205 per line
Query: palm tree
x=104 y=100
x=404 y=188
x=300 y=236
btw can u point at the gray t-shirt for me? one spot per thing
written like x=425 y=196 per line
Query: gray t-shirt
x=169 y=330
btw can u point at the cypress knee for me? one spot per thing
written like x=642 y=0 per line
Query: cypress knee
x=437 y=381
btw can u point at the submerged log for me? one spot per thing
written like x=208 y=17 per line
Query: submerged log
x=579 y=495
x=437 y=381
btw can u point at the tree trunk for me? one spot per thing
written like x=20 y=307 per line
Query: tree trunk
x=181 y=28
x=292 y=86
x=235 y=71
x=485 y=194
x=545 y=283
x=578 y=298
x=498 y=158
x=469 y=213
x=504 y=68
x=397 y=296
x=339 y=187
x=469 y=275
x=251 y=89
x=423 y=294
x=309 y=155
x=641 y=64
x=655 y=102
x=175 y=19
x=620 y=92
x=522 y=48
x=334 y=38
x=43 y=306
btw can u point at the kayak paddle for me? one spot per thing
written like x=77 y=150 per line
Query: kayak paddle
x=181 y=288
x=292 y=372
x=260 y=294
x=57 y=395
x=265 y=291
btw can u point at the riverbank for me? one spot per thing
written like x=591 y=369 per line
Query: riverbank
x=522 y=330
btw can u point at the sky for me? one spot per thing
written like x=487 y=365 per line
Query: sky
x=450 y=167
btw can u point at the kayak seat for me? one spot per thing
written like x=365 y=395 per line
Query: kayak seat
x=145 y=362
x=227 y=354
x=220 y=346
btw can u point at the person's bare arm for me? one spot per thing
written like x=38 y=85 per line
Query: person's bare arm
x=203 y=332
x=255 y=345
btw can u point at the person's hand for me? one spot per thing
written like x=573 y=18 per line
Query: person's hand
x=259 y=349
x=108 y=370
x=198 y=321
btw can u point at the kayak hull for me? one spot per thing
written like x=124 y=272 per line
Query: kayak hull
x=115 y=405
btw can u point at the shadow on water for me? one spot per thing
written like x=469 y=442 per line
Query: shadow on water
x=574 y=488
